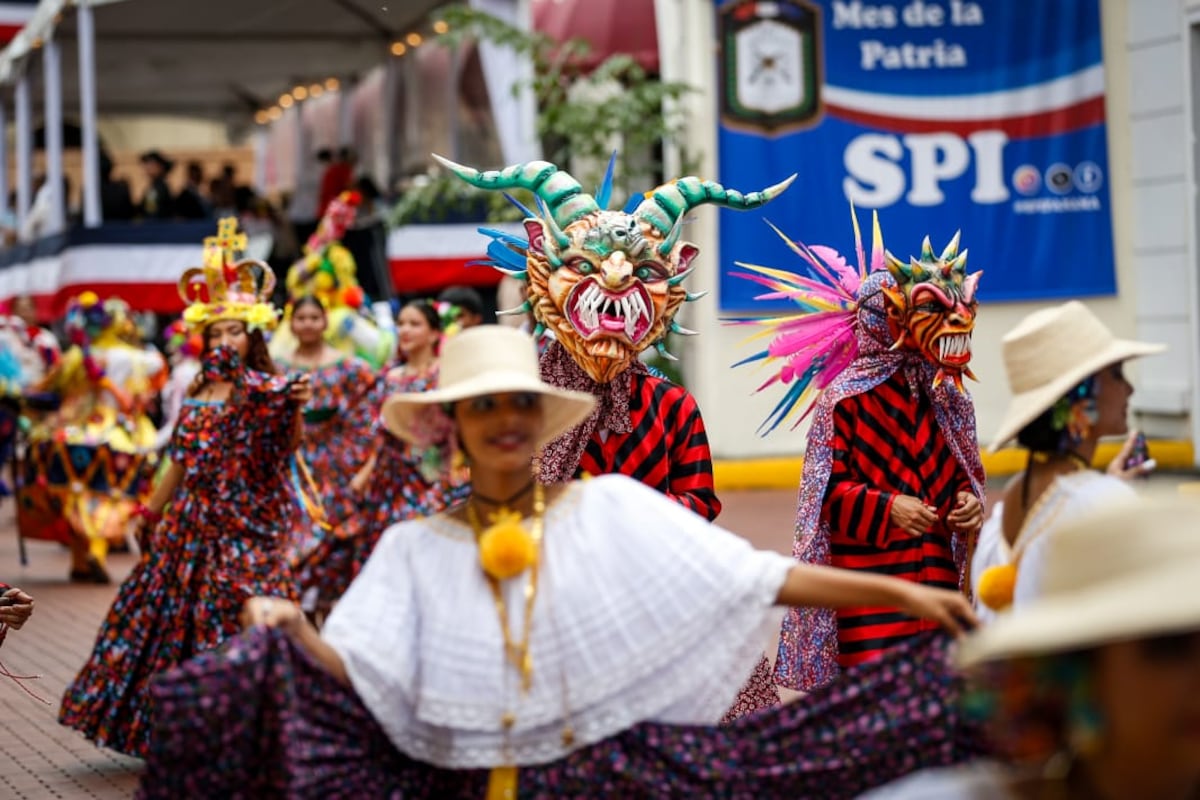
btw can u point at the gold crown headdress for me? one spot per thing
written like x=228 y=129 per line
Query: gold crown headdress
x=223 y=289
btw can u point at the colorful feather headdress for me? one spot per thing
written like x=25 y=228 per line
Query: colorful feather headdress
x=816 y=343
x=223 y=289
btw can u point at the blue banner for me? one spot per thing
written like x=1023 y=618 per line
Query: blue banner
x=980 y=115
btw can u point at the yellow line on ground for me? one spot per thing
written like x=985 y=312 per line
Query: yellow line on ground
x=784 y=473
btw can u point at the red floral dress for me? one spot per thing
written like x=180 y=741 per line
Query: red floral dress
x=337 y=441
x=400 y=488
x=221 y=540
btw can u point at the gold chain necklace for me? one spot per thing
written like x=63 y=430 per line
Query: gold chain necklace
x=503 y=525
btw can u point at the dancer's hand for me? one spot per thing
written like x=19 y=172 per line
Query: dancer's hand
x=300 y=391
x=967 y=516
x=912 y=516
x=272 y=612
x=15 y=608
x=1116 y=467
x=947 y=607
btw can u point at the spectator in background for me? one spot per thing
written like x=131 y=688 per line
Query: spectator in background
x=116 y=201
x=157 y=202
x=190 y=203
x=243 y=196
x=220 y=194
x=338 y=177
x=468 y=301
x=37 y=221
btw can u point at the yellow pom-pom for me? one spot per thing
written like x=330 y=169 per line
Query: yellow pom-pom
x=506 y=548
x=323 y=281
x=996 y=586
x=88 y=299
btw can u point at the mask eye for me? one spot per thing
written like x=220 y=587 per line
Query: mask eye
x=929 y=308
x=648 y=272
x=582 y=266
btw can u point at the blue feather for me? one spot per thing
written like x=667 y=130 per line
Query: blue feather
x=791 y=399
x=752 y=359
x=524 y=208
x=604 y=193
x=634 y=201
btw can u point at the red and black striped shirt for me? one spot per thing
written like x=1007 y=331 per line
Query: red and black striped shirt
x=887 y=443
x=667 y=448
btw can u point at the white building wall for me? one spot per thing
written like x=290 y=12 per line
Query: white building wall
x=1149 y=184
x=1157 y=126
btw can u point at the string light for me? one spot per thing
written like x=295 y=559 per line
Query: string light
x=398 y=48
x=300 y=92
x=332 y=84
x=316 y=90
x=286 y=100
x=275 y=113
x=262 y=117
x=441 y=26
x=414 y=39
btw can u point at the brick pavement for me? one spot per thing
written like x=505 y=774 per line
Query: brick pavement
x=41 y=760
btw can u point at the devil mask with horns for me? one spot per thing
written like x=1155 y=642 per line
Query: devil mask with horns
x=606 y=283
x=932 y=308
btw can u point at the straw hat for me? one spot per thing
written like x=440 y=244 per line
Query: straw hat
x=1127 y=571
x=488 y=359
x=1052 y=351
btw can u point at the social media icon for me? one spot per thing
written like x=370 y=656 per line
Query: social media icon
x=1089 y=177
x=1027 y=180
x=1058 y=178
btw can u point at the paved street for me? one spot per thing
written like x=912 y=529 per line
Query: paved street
x=40 y=759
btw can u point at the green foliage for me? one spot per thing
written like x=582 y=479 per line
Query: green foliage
x=580 y=117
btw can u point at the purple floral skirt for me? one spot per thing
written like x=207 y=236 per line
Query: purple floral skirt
x=259 y=719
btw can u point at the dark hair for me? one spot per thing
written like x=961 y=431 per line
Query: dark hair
x=258 y=358
x=464 y=297
x=428 y=310
x=308 y=300
x=1046 y=434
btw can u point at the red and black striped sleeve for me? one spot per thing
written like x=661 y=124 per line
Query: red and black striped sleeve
x=691 y=472
x=852 y=506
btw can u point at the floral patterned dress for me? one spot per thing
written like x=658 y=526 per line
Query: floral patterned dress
x=401 y=487
x=337 y=441
x=878 y=722
x=221 y=540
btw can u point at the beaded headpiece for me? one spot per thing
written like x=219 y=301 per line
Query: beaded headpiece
x=223 y=289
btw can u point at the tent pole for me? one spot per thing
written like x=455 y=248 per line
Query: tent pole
x=93 y=215
x=52 y=73
x=5 y=206
x=24 y=142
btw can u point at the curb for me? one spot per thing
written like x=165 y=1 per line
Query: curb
x=733 y=475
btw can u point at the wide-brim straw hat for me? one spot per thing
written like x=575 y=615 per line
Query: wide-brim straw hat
x=484 y=360
x=1050 y=352
x=1126 y=571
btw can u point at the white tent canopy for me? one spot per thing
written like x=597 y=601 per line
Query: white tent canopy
x=228 y=60
x=219 y=59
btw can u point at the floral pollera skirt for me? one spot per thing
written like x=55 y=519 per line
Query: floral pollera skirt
x=259 y=719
